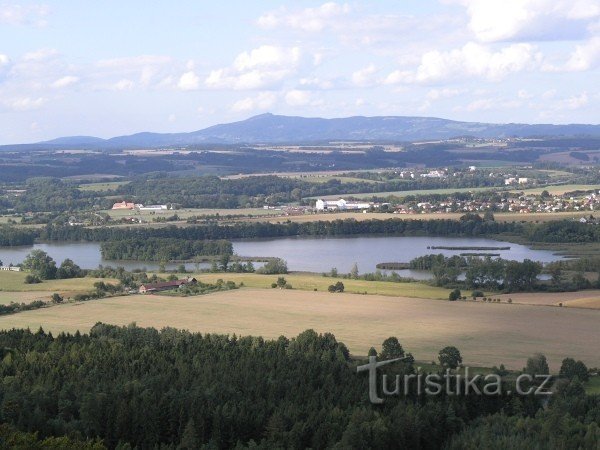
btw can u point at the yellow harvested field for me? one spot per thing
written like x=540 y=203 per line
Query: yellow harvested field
x=25 y=297
x=486 y=334
x=589 y=302
x=580 y=299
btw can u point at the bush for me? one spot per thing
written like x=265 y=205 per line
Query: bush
x=337 y=287
x=476 y=294
x=32 y=279
x=273 y=285
x=454 y=295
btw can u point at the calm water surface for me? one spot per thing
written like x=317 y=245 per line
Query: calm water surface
x=314 y=254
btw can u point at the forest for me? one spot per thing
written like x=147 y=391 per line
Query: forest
x=163 y=249
x=240 y=230
x=128 y=387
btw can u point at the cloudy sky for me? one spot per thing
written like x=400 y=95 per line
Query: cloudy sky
x=107 y=68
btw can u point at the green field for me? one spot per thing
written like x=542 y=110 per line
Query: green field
x=15 y=282
x=310 y=282
x=102 y=187
x=410 y=192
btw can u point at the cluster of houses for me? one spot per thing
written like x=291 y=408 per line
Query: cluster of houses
x=523 y=204
x=139 y=206
x=11 y=268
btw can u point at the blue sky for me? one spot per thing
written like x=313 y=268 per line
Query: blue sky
x=110 y=68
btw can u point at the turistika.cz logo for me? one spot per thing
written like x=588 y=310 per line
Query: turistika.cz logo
x=448 y=383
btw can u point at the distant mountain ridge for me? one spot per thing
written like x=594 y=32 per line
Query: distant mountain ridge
x=271 y=129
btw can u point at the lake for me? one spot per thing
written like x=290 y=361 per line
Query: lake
x=306 y=253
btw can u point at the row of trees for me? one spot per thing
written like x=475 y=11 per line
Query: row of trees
x=240 y=230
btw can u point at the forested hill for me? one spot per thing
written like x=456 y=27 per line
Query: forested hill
x=131 y=387
x=270 y=128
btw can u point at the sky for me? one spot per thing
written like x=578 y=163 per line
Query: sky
x=108 y=68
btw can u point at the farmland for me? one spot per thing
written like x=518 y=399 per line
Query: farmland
x=487 y=334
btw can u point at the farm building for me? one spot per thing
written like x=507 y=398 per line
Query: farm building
x=341 y=204
x=152 y=207
x=123 y=205
x=11 y=268
x=148 y=288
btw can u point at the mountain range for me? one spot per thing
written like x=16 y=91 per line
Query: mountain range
x=270 y=129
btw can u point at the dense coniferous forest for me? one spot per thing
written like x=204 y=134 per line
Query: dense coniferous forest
x=134 y=387
x=163 y=249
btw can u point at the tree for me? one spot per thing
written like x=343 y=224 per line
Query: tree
x=281 y=282
x=537 y=365
x=40 y=264
x=68 y=269
x=56 y=298
x=450 y=357
x=391 y=348
x=224 y=261
x=372 y=352
x=354 y=271
x=489 y=216
x=189 y=438
x=274 y=266
x=571 y=369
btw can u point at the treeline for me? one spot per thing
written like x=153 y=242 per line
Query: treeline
x=568 y=231
x=132 y=387
x=442 y=227
x=13 y=236
x=163 y=249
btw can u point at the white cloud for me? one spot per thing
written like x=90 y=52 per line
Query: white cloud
x=501 y=20
x=266 y=56
x=24 y=15
x=4 y=60
x=574 y=102
x=364 y=76
x=25 y=103
x=123 y=85
x=258 y=68
x=297 y=98
x=189 y=81
x=136 y=62
x=43 y=54
x=523 y=94
x=437 y=94
x=309 y=19
x=472 y=60
x=585 y=56
x=262 y=101
x=65 y=81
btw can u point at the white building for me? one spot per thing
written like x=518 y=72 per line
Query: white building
x=153 y=208
x=341 y=204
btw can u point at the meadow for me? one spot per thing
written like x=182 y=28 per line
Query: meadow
x=486 y=334
x=13 y=287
